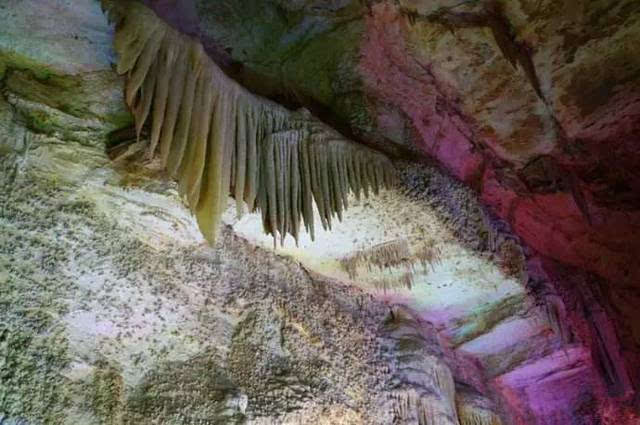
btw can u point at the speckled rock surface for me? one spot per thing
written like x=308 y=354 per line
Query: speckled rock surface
x=535 y=105
x=104 y=321
x=114 y=311
x=539 y=137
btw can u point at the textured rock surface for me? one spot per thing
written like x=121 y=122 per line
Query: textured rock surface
x=533 y=104
x=436 y=77
x=104 y=321
x=114 y=311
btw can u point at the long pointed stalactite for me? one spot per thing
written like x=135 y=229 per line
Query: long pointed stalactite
x=218 y=139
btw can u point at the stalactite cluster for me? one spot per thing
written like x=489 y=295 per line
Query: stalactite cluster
x=394 y=254
x=428 y=255
x=423 y=409
x=217 y=139
x=425 y=392
x=473 y=410
x=478 y=417
x=403 y=281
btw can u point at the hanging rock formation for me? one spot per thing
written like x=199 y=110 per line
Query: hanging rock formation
x=115 y=310
x=217 y=139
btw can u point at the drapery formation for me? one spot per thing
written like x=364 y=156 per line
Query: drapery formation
x=424 y=390
x=218 y=139
x=474 y=409
x=395 y=260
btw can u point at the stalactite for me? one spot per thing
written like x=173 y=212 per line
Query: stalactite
x=393 y=253
x=217 y=139
x=423 y=408
x=385 y=283
x=429 y=255
x=390 y=255
x=425 y=391
x=478 y=417
x=474 y=411
x=422 y=373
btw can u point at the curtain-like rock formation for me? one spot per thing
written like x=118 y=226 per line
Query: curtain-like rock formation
x=114 y=310
x=424 y=392
x=217 y=139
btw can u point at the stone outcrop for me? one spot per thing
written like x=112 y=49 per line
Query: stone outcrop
x=114 y=310
x=535 y=105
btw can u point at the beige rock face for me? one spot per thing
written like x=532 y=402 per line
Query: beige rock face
x=113 y=310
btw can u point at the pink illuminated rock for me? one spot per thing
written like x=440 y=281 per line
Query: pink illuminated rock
x=392 y=74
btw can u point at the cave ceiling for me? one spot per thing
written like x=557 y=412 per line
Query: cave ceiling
x=508 y=245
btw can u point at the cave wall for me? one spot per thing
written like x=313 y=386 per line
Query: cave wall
x=535 y=105
x=410 y=78
x=113 y=308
